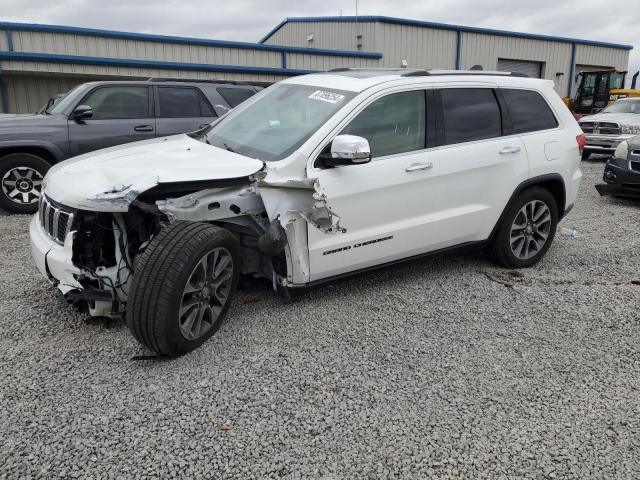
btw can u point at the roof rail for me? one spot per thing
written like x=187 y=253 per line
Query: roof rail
x=406 y=72
x=216 y=81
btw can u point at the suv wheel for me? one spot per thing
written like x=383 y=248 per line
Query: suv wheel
x=526 y=229
x=182 y=287
x=21 y=177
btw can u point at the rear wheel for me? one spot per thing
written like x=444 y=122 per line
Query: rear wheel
x=526 y=229
x=21 y=177
x=182 y=287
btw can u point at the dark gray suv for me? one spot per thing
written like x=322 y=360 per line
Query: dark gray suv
x=102 y=114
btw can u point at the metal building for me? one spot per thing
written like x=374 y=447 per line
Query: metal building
x=39 y=61
x=420 y=44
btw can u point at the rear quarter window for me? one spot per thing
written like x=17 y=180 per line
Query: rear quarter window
x=529 y=111
x=235 y=96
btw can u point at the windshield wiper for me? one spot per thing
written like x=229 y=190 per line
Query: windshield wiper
x=228 y=147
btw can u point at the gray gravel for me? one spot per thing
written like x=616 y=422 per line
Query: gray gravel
x=442 y=368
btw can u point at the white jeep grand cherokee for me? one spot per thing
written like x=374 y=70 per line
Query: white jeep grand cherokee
x=314 y=178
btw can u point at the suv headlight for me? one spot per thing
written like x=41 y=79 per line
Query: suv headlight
x=630 y=129
x=622 y=150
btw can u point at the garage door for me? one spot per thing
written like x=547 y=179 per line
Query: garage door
x=530 y=69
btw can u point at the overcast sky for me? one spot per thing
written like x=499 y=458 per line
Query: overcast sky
x=249 y=20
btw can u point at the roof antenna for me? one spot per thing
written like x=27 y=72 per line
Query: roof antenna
x=476 y=67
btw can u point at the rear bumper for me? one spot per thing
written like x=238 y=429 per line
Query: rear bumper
x=604 y=143
x=619 y=179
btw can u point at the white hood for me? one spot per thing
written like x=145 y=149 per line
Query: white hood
x=110 y=179
x=621 y=118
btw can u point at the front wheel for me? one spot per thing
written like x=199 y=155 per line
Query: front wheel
x=21 y=175
x=182 y=287
x=527 y=229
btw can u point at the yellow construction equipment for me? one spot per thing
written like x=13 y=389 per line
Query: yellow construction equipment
x=597 y=89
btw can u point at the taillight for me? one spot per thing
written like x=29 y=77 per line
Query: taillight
x=581 y=141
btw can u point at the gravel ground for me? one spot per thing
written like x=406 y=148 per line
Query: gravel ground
x=443 y=368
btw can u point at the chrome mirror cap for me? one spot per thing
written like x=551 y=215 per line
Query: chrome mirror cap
x=351 y=147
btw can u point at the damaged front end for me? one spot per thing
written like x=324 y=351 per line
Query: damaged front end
x=93 y=261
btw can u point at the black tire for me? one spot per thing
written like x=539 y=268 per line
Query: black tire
x=585 y=155
x=501 y=245
x=19 y=165
x=158 y=285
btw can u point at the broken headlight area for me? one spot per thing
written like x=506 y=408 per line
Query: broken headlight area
x=104 y=249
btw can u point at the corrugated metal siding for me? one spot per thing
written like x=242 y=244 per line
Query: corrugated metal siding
x=337 y=36
x=4 y=44
x=27 y=93
x=68 y=44
x=44 y=67
x=591 y=55
x=317 y=62
x=481 y=49
x=421 y=47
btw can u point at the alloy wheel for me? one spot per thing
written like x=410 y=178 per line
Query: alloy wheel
x=205 y=293
x=22 y=185
x=530 y=229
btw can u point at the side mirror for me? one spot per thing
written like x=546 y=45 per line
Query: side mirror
x=82 y=112
x=347 y=150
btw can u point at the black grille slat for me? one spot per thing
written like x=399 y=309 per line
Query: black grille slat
x=55 y=219
x=602 y=128
x=587 y=127
x=635 y=166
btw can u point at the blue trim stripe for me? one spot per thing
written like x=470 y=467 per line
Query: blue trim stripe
x=119 y=62
x=571 y=69
x=458 y=49
x=34 y=27
x=4 y=97
x=445 y=26
x=9 y=40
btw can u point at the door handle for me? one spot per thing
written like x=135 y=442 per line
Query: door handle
x=143 y=128
x=419 y=166
x=508 y=150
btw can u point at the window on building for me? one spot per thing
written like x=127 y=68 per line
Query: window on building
x=470 y=114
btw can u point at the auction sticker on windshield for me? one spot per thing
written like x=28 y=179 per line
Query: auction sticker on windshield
x=326 y=96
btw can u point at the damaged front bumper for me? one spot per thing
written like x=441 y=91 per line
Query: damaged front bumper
x=620 y=179
x=54 y=261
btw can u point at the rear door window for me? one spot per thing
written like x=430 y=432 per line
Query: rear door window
x=235 y=96
x=470 y=114
x=183 y=102
x=528 y=110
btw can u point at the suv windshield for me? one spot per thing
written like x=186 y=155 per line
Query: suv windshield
x=275 y=122
x=623 y=106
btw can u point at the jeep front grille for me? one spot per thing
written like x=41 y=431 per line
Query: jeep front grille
x=56 y=219
x=601 y=128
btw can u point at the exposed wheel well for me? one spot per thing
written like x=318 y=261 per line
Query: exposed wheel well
x=552 y=182
x=39 y=151
x=555 y=186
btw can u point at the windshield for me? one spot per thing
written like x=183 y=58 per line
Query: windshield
x=624 y=106
x=276 y=121
x=61 y=105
